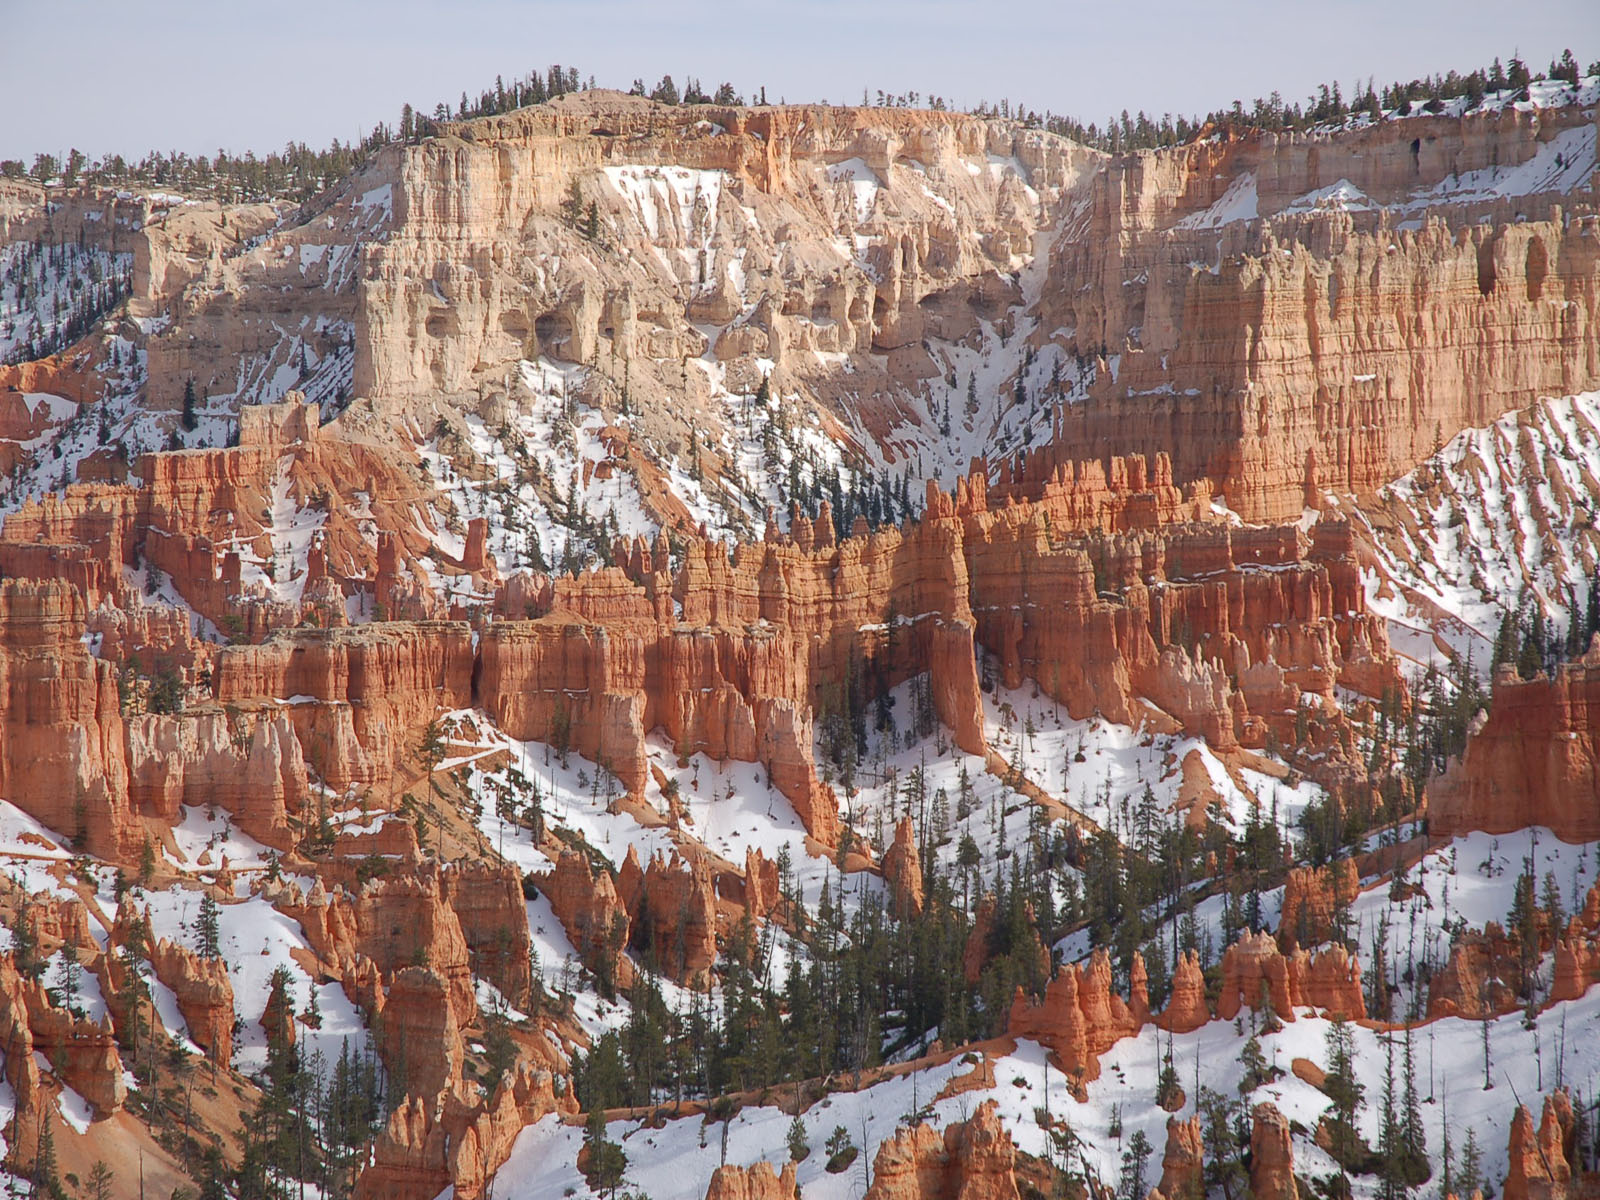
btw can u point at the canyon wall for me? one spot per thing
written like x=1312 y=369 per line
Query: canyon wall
x=1294 y=314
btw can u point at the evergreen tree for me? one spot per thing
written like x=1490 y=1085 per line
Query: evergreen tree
x=1345 y=1091
x=1391 y=1178
x=606 y=1165
x=1531 y=656
x=133 y=995
x=1413 y=1142
x=1254 y=1070
x=98 y=1186
x=1220 y=1137
x=1167 y=1087
x=71 y=973
x=46 y=1181
x=1134 y=1159
x=1505 y=641
x=25 y=946
x=799 y=1148
x=1470 y=1178
x=207 y=928
x=500 y=1051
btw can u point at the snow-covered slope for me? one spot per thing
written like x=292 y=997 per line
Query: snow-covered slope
x=1498 y=515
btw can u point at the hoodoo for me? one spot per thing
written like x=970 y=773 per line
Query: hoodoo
x=658 y=643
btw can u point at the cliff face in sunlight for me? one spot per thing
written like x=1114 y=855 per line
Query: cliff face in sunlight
x=517 y=632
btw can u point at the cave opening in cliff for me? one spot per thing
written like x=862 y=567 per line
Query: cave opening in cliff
x=552 y=331
x=1538 y=268
x=442 y=324
x=1486 y=274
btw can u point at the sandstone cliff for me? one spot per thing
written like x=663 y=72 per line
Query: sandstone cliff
x=1252 y=298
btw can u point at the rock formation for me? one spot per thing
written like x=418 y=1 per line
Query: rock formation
x=458 y=1139
x=673 y=914
x=1540 y=1163
x=1183 y=1161
x=761 y=885
x=1243 y=332
x=973 y=1160
x=1533 y=762
x=1255 y=973
x=755 y=1182
x=1271 y=1155
x=1576 y=967
x=63 y=755
x=1475 y=981
x=1079 y=1018
x=249 y=764
x=404 y=919
x=204 y=994
x=1312 y=896
x=1243 y=335
x=421 y=1035
x=589 y=909
x=367 y=691
x=902 y=868
x=1186 y=1008
x=82 y=1053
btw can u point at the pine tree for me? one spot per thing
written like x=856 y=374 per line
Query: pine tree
x=207 y=928
x=1255 y=1071
x=1378 y=999
x=134 y=993
x=1133 y=1165
x=1470 y=1178
x=1224 y=1168
x=666 y=92
x=799 y=1148
x=1447 y=1185
x=500 y=1051
x=606 y=1164
x=101 y=1178
x=1413 y=1138
x=46 y=1182
x=1488 y=1079
x=1345 y=1091
x=1530 y=658
x=1391 y=1182
x=25 y=946
x=71 y=972
x=1167 y=1087
x=1505 y=641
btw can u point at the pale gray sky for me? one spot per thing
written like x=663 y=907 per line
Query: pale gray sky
x=110 y=75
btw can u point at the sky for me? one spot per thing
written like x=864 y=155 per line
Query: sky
x=107 y=76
